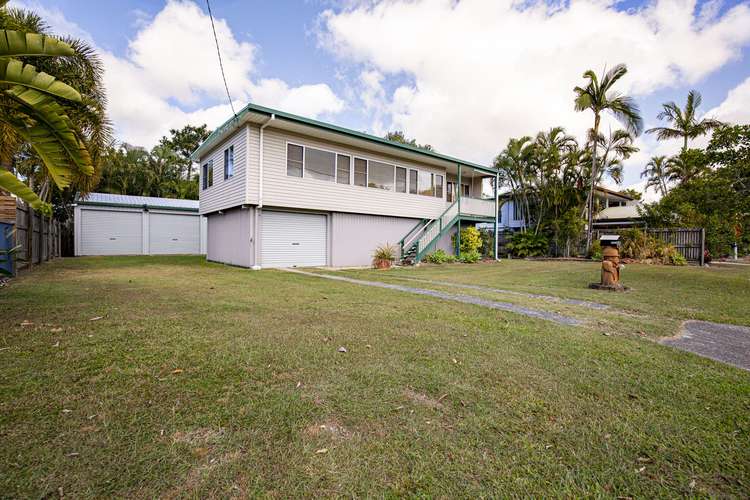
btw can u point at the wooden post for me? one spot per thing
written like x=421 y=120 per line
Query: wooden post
x=29 y=237
x=703 y=247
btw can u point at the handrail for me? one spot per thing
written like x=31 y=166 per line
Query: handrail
x=435 y=228
x=420 y=223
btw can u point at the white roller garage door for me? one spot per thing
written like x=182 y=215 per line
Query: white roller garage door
x=174 y=233
x=293 y=239
x=109 y=232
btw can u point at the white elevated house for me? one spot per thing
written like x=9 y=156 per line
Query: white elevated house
x=115 y=224
x=280 y=190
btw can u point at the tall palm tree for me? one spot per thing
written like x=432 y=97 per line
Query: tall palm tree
x=598 y=96
x=60 y=127
x=684 y=122
x=656 y=174
x=617 y=148
x=515 y=166
x=680 y=168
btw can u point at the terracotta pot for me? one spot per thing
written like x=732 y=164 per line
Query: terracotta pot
x=382 y=264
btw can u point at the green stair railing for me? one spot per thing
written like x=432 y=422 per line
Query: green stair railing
x=410 y=238
x=436 y=229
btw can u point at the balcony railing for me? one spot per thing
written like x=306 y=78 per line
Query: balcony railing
x=476 y=206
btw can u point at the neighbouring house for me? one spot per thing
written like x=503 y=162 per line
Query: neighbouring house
x=115 y=224
x=612 y=209
x=280 y=190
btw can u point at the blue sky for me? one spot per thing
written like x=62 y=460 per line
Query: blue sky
x=463 y=76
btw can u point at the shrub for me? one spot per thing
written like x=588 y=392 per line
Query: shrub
x=596 y=251
x=635 y=244
x=527 y=245
x=470 y=257
x=488 y=243
x=471 y=240
x=440 y=257
x=384 y=256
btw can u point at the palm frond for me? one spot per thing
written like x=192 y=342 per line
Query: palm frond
x=10 y=183
x=15 y=72
x=20 y=44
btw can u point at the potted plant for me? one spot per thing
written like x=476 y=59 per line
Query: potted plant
x=384 y=256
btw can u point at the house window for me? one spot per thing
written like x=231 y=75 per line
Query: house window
x=360 y=172
x=439 y=186
x=210 y=173
x=204 y=175
x=516 y=211
x=320 y=164
x=450 y=188
x=465 y=190
x=413 y=181
x=228 y=162
x=400 y=180
x=294 y=160
x=380 y=175
x=343 y=167
x=425 y=184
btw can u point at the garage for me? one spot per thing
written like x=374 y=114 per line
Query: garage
x=111 y=232
x=293 y=239
x=112 y=224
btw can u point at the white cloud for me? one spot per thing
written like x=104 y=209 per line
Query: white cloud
x=170 y=75
x=483 y=71
x=736 y=107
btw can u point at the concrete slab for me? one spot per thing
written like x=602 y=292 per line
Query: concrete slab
x=726 y=343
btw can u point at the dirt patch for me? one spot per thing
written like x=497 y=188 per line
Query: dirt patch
x=423 y=399
x=330 y=428
x=200 y=436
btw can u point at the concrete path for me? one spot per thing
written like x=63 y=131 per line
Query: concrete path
x=726 y=343
x=575 y=302
x=466 y=299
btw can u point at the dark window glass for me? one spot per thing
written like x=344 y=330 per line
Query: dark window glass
x=319 y=164
x=400 y=180
x=380 y=175
x=413 y=181
x=343 y=167
x=294 y=160
x=204 y=174
x=424 y=183
x=210 y=173
x=449 y=193
x=360 y=172
x=228 y=162
x=438 y=186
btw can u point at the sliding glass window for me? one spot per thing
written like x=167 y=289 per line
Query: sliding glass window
x=319 y=164
x=380 y=175
x=343 y=168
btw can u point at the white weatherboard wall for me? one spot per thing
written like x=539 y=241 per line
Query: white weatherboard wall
x=101 y=230
x=231 y=192
x=230 y=237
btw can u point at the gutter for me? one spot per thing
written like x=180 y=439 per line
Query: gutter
x=134 y=205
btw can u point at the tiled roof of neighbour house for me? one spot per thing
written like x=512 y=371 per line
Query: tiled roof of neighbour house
x=122 y=200
x=230 y=124
x=622 y=212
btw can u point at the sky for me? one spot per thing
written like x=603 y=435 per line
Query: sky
x=463 y=76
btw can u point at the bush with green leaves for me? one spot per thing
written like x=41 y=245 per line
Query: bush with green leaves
x=471 y=240
x=596 y=251
x=470 y=257
x=440 y=256
x=527 y=244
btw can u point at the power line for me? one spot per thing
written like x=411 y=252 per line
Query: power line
x=221 y=64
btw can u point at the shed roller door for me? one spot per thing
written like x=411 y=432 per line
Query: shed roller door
x=174 y=233
x=293 y=239
x=108 y=232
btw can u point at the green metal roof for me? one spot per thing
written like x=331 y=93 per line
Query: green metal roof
x=254 y=108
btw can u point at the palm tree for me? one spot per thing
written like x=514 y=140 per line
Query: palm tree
x=680 y=168
x=656 y=174
x=684 y=123
x=598 y=96
x=617 y=148
x=515 y=166
x=61 y=126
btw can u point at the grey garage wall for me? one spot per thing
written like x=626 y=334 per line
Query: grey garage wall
x=230 y=237
x=354 y=237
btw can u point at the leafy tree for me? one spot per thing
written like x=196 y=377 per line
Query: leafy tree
x=398 y=136
x=183 y=142
x=684 y=122
x=687 y=165
x=52 y=134
x=718 y=199
x=656 y=174
x=635 y=194
x=599 y=96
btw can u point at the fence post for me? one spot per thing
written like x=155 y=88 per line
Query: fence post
x=29 y=237
x=703 y=246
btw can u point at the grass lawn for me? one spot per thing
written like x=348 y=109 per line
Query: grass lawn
x=205 y=380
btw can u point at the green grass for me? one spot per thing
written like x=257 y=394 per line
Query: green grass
x=205 y=380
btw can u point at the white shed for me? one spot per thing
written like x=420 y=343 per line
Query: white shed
x=114 y=224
